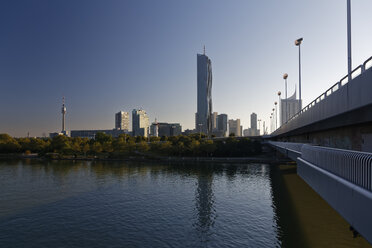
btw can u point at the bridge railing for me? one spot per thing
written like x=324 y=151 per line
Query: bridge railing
x=337 y=86
x=287 y=145
x=355 y=167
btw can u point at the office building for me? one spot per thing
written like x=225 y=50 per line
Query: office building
x=288 y=108
x=222 y=124
x=166 y=129
x=154 y=129
x=254 y=121
x=235 y=128
x=214 y=120
x=122 y=120
x=91 y=134
x=203 y=116
x=253 y=131
x=140 y=123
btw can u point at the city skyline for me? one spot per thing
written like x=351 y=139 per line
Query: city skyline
x=144 y=56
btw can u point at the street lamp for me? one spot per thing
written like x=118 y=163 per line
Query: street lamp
x=276 y=114
x=285 y=76
x=298 y=43
x=259 y=126
x=271 y=123
x=348 y=40
x=281 y=108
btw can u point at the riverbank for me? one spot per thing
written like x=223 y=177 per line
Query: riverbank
x=268 y=158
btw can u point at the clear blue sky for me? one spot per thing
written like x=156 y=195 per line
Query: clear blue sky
x=107 y=56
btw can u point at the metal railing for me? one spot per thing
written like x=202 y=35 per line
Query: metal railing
x=287 y=145
x=355 y=73
x=355 y=167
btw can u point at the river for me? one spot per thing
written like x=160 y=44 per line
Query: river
x=132 y=204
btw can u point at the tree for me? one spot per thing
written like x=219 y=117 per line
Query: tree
x=107 y=147
x=102 y=138
x=97 y=147
x=142 y=146
x=61 y=144
x=194 y=147
x=8 y=144
x=85 y=148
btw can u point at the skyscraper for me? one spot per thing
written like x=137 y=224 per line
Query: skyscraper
x=235 y=128
x=214 y=120
x=222 y=124
x=122 y=121
x=140 y=123
x=203 y=116
x=254 y=121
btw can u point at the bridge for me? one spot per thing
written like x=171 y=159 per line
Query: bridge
x=340 y=117
x=331 y=141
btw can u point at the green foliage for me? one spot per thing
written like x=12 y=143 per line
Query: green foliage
x=102 y=138
x=105 y=146
x=8 y=144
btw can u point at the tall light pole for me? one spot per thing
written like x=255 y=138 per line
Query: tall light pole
x=349 y=40
x=259 y=126
x=276 y=114
x=285 y=76
x=298 y=43
x=281 y=108
x=271 y=123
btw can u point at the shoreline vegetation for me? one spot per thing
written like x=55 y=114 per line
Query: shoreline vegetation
x=190 y=148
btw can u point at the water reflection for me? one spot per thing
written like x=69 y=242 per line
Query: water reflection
x=204 y=201
x=163 y=205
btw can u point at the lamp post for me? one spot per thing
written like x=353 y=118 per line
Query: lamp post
x=285 y=76
x=281 y=108
x=259 y=126
x=271 y=124
x=298 y=43
x=276 y=114
x=349 y=40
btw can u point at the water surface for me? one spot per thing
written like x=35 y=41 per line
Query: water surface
x=121 y=204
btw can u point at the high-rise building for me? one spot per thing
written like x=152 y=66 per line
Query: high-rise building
x=140 y=123
x=203 y=116
x=160 y=129
x=154 y=129
x=214 y=120
x=235 y=128
x=288 y=108
x=222 y=123
x=122 y=121
x=254 y=121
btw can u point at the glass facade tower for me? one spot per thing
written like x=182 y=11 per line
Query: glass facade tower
x=203 y=117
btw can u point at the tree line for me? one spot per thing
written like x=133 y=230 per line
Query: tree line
x=105 y=146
